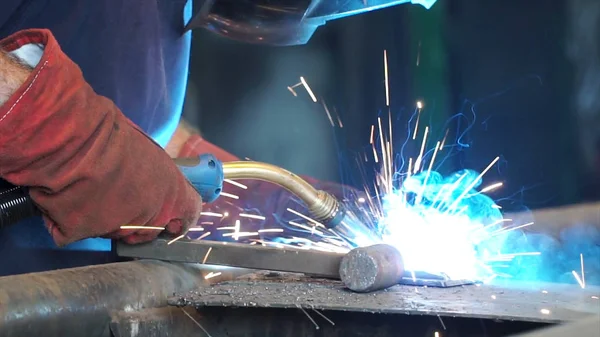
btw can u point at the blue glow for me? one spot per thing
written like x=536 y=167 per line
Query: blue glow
x=438 y=222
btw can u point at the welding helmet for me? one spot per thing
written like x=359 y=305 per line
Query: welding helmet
x=279 y=22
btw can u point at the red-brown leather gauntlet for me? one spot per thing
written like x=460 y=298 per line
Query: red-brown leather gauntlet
x=90 y=169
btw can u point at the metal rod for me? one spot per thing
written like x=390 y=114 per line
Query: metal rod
x=309 y=262
x=78 y=302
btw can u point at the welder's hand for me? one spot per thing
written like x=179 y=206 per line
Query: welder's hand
x=90 y=170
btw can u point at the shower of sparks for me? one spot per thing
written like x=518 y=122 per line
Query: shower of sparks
x=443 y=224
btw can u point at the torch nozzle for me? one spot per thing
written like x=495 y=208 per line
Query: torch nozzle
x=324 y=207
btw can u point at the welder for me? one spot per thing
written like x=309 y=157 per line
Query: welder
x=91 y=94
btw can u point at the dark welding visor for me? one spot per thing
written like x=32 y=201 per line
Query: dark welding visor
x=279 y=22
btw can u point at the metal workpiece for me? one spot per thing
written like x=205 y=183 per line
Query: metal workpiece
x=298 y=322
x=527 y=302
x=310 y=262
x=79 y=301
x=589 y=326
x=367 y=269
x=554 y=221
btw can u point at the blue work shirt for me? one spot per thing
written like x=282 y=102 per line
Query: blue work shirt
x=131 y=51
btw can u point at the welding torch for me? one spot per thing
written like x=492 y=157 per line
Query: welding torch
x=206 y=173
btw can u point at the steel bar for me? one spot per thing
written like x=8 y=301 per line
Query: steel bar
x=308 y=262
x=78 y=301
x=367 y=269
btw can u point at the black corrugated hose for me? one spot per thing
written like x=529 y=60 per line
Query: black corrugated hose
x=15 y=204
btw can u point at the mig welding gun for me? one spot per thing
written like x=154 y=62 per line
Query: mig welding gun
x=206 y=174
x=363 y=269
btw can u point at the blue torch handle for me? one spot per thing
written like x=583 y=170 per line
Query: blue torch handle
x=205 y=172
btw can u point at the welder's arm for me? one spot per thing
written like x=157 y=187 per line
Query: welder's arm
x=89 y=169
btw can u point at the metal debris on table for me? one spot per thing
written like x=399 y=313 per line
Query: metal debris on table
x=546 y=303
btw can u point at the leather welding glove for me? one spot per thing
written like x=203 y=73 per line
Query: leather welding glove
x=90 y=169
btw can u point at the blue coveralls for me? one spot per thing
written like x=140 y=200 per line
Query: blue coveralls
x=131 y=51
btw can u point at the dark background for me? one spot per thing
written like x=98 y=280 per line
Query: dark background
x=523 y=77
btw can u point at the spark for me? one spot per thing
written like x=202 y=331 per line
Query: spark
x=176 y=239
x=207 y=254
x=252 y=216
x=490 y=188
x=212 y=275
x=580 y=280
x=582 y=270
x=310 y=92
x=203 y=236
x=236 y=235
x=229 y=195
x=323 y=316
x=309 y=219
x=545 y=311
x=419 y=108
x=142 y=227
x=196 y=229
x=198 y=324
x=237 y=230
x=339 y=121
x=271 y=230
x=310 y=318
x=328 y=113
x=235 y=183
x=213 y=214
x=292 y=91
x=372 y=134
x=419 y=57
x=442 y=322
x=387 y=85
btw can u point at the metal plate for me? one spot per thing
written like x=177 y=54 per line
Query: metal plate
x=536 y=303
